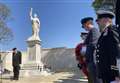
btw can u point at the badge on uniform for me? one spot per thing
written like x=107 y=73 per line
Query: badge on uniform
x=105 y=32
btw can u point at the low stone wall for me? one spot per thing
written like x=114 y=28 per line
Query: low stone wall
x=6 y=58
x=59 y=58
x=55 y=58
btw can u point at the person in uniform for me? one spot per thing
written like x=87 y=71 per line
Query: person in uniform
x=107 y=48
x=80 y=55
x=90 y=42
x=16 y=61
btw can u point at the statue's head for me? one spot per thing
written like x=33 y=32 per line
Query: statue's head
x=35 y=15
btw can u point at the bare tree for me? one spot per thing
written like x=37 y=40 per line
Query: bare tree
x=6 y=34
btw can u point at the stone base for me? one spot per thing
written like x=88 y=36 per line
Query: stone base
x=34 y=51
x=33 y=66
x=32 y=38
x=33 y=69
x=28 y=73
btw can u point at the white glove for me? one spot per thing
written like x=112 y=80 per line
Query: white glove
x=83 y=50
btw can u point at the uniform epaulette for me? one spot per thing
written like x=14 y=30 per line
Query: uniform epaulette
x=116 y=33
x=113 y=67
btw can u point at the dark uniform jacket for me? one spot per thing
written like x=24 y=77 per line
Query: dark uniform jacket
x=91 y=42
x=16 y=58
x=107 y=50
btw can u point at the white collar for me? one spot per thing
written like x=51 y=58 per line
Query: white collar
x=108 y=24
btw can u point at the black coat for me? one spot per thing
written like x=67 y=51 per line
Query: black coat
x=107 y=50
x=91 y=42
x=16 y=58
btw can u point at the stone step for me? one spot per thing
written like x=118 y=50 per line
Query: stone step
x=34 y=73
x=31 y=67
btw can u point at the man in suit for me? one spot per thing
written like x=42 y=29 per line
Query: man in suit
x=107 y=48
x=90 y=42
x=16 y=61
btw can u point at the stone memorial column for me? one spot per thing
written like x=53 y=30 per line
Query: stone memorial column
x=34 y=46
x=34 y=54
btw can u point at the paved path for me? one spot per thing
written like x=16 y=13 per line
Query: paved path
x=58 y=77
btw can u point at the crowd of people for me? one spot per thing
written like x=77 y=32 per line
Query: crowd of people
x=99 y=52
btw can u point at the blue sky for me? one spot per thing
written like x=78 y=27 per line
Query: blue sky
x=60 y=21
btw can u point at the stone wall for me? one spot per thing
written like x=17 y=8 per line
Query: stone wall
x=55 y=58
x=59 y=58
x=6 y=58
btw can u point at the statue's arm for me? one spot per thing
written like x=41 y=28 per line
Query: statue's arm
x=31 y=14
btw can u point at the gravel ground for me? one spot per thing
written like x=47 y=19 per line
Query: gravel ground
x=65 y=76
